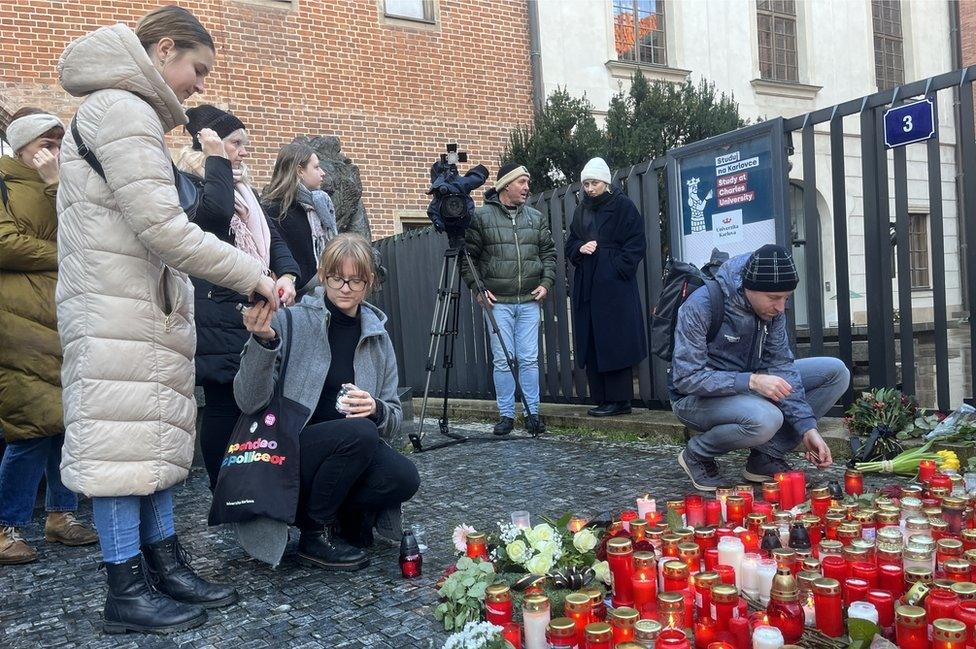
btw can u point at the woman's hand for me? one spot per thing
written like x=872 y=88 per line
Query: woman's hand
x=285 y=288
x=257 y=320
x=588 y=248
x=211 y=143
x=47 y=165
x=358 y=403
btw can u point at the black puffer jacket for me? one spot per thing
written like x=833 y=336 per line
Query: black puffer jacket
x=220 y=329
x=513 y=255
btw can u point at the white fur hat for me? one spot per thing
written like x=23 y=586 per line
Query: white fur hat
x=596 y=169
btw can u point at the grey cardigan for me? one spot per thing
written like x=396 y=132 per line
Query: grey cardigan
x=374 y=363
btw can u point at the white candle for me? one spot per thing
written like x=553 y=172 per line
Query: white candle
x=863 y=611
x=521 y=520
x=750 y=574
x=767 y=637
x=730 y=553
x=645 y=506
x=535 y=623
x=765 y=572
x=809 y=614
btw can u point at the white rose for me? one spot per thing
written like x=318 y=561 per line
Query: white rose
x=541 y=532
x=516 y=551
x=585 y=540
x=540 y=564
x=602 y=570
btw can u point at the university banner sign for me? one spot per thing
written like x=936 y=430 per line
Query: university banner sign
x=732 y=190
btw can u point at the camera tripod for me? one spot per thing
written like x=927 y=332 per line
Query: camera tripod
x=445 y=325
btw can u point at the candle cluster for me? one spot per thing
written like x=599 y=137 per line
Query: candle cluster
x=905 y=560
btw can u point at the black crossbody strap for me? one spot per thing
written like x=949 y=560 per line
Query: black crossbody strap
x=84 y=151
x=4 y=196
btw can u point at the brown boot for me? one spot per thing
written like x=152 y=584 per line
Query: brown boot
x=14 y=549
x=63 y=527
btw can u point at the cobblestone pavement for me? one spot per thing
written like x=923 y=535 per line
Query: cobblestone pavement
x=57 y=601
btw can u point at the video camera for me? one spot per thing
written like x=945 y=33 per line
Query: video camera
x=451 y=207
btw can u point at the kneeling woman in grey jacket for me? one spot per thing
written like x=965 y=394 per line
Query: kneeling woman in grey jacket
x=350 y=475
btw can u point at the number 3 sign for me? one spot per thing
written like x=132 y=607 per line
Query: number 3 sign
x=908 y=123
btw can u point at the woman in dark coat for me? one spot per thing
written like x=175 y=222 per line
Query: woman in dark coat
x=605 y=244
x=228 y=208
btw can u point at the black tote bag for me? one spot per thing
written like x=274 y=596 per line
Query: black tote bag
x=259 y=475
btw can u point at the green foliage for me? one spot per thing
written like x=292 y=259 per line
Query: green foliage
x=882 y=407
x=861 y=632
x=654 y=117
x=563 y=136
x=463 y=593
x=642 y=123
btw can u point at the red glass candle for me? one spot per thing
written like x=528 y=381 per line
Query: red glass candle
x=476 y=546
x=694 y=510
x=702 y=584
x=787 y=616
x=713 y=513
x=910 y=628
x=867 y=571
x=884 y=602
x=705 y=632
x=940 y=603
x=711 y=559
x=620 y=556
x=834 y=566
x=688 y=607
x=561 y=634
x=745 y=491
x=622 y=621
x=855 y=590
x=798 y=487
x=725 y=605
x=771 y=493
x=598 y=635
x=828 y=607
x=726 y=574
x=705 y=538
x=675 y=576
x=512 y=631
x=892 y=579
x=626 y=516
x=926 y=469
x=672 y=639
x=644 y=581
x=764 y=508
x=750 y=540
x=722 y=532
x=735 y=510
x=853 y=482
x=949 y=634
x=741 y=632
x=498 y=604
x=939 y=481
x=966 y=613
x=820 y=501
x=785 y=491
x=579 y=609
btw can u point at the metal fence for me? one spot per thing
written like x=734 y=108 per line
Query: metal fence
x=885 y=351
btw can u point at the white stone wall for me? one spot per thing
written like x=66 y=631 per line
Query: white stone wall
x=718 y=40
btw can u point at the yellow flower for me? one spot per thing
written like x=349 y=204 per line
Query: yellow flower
x=948 y=460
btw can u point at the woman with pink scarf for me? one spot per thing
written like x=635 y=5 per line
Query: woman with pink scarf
x=229 y=208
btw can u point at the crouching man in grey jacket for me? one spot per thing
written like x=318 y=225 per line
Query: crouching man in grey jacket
x=743 y=389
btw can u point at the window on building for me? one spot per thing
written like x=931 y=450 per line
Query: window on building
x=638 y=31
x=889 y=58
x=422 y=10
x=777 y=40
x=918 y=249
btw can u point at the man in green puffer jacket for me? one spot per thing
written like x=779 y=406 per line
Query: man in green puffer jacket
x=511 y=245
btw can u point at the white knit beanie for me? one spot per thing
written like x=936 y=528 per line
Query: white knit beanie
x=596 y=169
x=25 y=130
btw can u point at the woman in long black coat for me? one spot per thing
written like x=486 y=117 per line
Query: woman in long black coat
x=606 y=244
x=230 y=209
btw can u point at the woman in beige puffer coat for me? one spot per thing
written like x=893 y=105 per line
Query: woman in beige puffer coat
x=124 y=308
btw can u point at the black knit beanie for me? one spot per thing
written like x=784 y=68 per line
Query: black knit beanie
x=504 y=170
x=207 y=116
x=770 y=270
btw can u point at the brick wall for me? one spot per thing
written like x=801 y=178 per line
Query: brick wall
x=967 y=31
x=394 y=92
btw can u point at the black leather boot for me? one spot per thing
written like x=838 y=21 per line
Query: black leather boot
x=322 y=548
x=169 y=565
x=134 y=605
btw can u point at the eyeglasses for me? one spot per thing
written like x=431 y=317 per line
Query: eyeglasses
x=355 y=284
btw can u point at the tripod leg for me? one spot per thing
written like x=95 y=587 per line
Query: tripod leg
x=436 y=331
x=451 y=331
x=509 y=358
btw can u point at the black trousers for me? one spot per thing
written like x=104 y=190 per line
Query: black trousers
x=607 y=387
x=220 y=414
x=348 y=475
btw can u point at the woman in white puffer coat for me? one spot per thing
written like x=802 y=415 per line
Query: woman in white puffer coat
x=124 y=306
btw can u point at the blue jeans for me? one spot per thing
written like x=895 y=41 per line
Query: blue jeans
x=126 y=523
x=751 y=421
x=20 y=474
x=518 y=325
